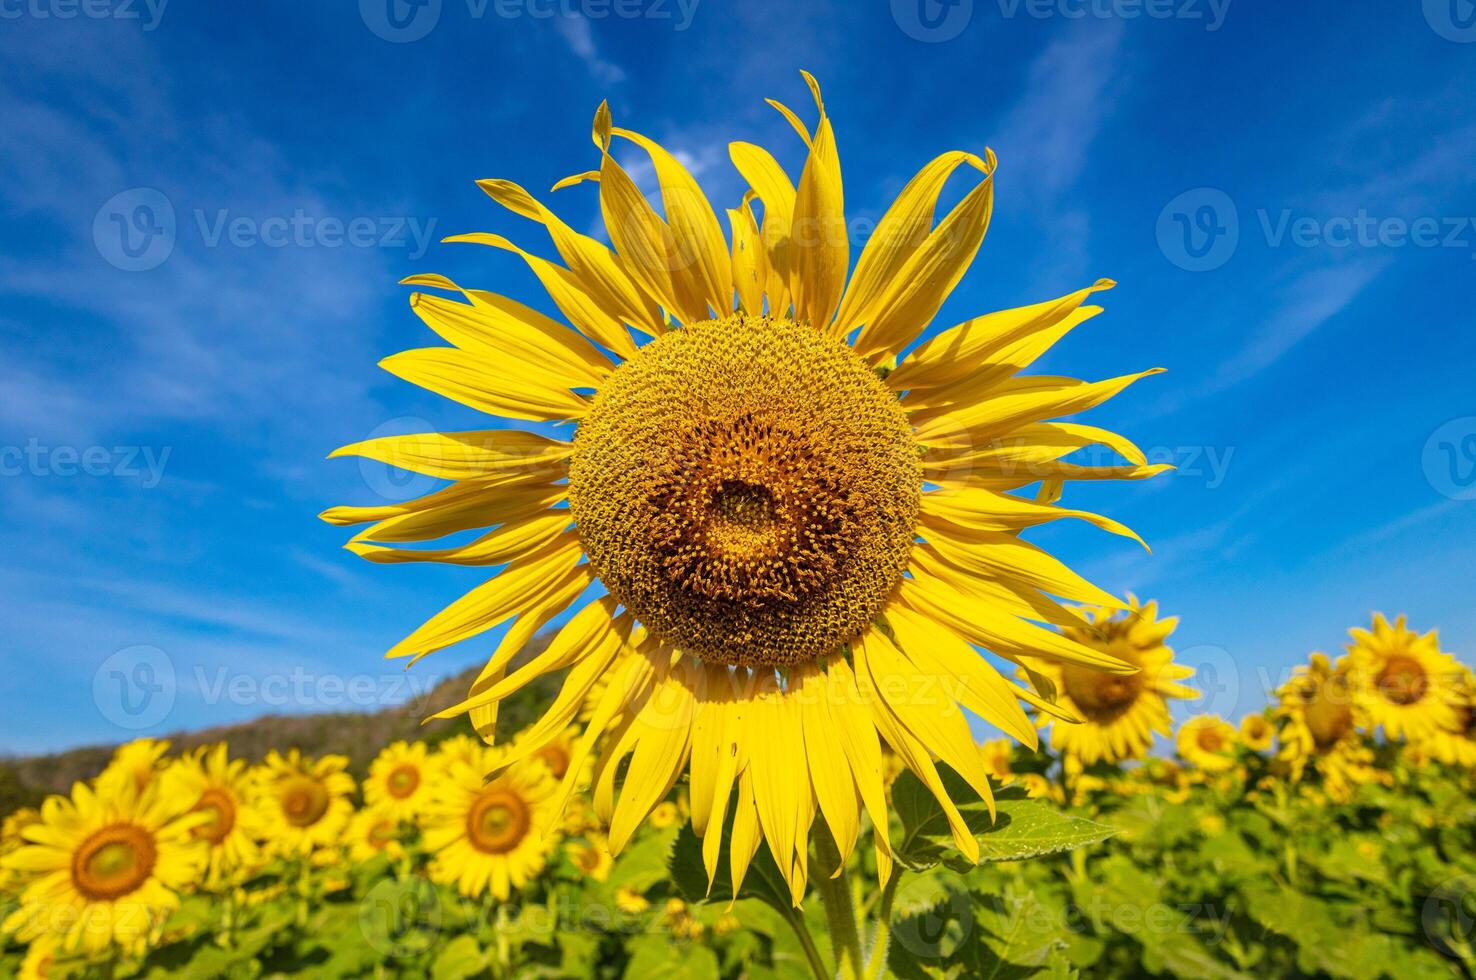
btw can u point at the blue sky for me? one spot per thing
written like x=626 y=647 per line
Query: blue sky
x=1283 y=191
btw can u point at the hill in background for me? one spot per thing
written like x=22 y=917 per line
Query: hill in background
x=26 y=780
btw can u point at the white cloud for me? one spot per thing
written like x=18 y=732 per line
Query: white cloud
x=576 y=32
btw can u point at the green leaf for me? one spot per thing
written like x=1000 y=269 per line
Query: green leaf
x=1023 y=829
x=658 y=956
x=459 y=959
x=689 y=875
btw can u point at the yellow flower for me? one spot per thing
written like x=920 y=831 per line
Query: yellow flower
x=306 y=801
x=490 y=835
x=105 y=869
x=1118 y=712
x=1319 y=727
x=1207 y=742
x=458 y=748
x=747 y=484
x=1257 y=732
x=1037 y=787
x=665 y=815
x=399 y=783
x=1211 y=824
x=373 y=831
x=592 y=859
x=997 y=755
x=1403 y=681
x=222 y=790
x=40 y=960
x=135 y=763
x=630 y=901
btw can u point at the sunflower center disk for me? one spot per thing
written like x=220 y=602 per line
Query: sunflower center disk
x=749 y=489
x=113 y=862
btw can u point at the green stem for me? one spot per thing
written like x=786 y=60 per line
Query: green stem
x=807 y=943
x=876 y=967
x=840 y=908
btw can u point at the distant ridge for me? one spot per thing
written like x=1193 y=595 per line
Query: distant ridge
x=25 y=780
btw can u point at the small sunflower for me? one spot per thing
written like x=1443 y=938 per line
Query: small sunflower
x=456 y=749
x=1404 y=682
x=793 y=532
x=400 y=781
x=1257 y=732
x=1118 y=712
x=306 y=801
x=373 y=831
x=222 y=790
x=490 y=835
x=135 y=763
x=1320 y=727
x=998 y=754
x=104 y=870
x=591 y=857
x=41 y=961
x=1207 y=742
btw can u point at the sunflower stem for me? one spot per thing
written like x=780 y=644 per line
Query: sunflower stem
x=807 y=943
x=876 y=966
x=840 y=907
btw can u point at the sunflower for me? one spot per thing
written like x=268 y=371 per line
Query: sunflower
x=222 y=789
x=373 y=831
x=591 y=858
x=740 y=517
x=104 y=869
x=1206 y=742
x=1403 y=681
x=40 y=961
x=490 y=834
x=1457 y=747
x=1257 y=732
x=1319 y=727
x=1119 y=712
x=457 y=748
x=400 y=779
x=135 y=763
x=306 y=801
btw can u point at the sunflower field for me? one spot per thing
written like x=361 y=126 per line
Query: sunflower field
x=1331 y=835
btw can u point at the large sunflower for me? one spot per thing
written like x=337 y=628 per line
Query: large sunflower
x=105 y=868
x=1320 y=723
x=1118 y=712
x=135 y=763
x=1403 y=681
x=306 y=800
x=490 y=835
x=813 y=539
x=222 y=789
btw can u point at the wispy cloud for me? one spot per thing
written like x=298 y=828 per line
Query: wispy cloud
x=576 y=32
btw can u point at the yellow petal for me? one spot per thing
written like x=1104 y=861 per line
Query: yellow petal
x=492 y=385
x=498 y=327
x=1018 y=401
x=595 y=265
x=818 y=242
x=569 y=293
x=898 y=235
x=507 y=543
x=466 y=455
x=699 y=238
x=959 y=351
